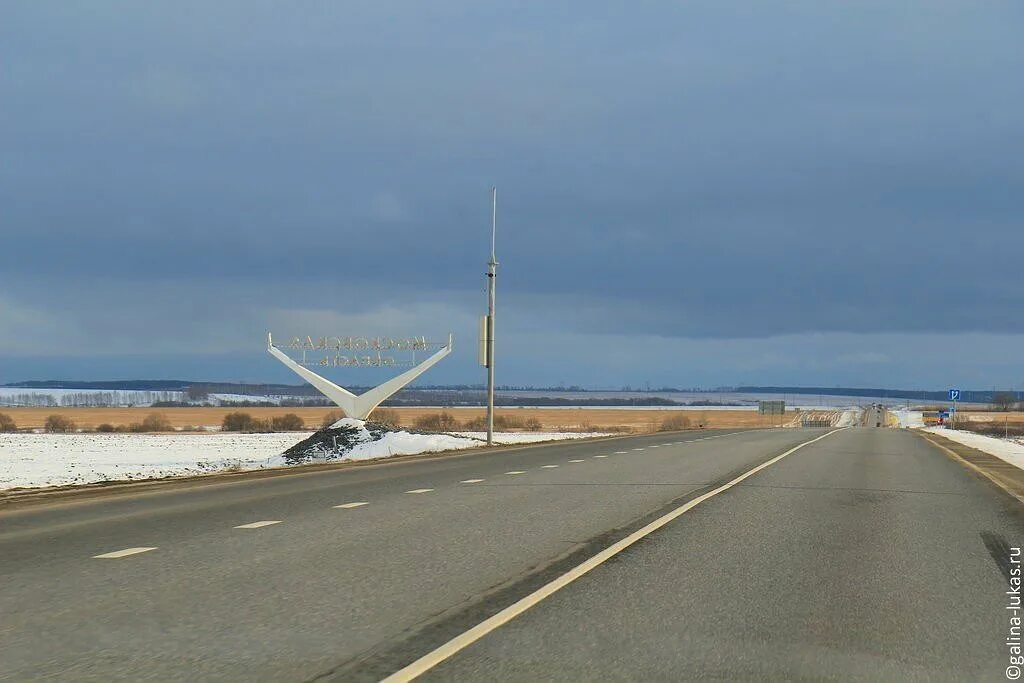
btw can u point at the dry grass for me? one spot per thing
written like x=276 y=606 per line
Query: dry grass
x=993 y=417
x=550 y=419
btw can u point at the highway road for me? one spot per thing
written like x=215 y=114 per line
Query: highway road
x=874 y=416
x=863 y=553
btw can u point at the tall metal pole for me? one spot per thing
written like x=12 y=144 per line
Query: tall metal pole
x=491 y=275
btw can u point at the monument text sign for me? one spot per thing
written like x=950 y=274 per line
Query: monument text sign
x=350 y=351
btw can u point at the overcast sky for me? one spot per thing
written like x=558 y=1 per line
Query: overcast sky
x=690 y=193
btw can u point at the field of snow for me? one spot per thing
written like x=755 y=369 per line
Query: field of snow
x=59 y=459
x=1005 y=449
x=34 y=460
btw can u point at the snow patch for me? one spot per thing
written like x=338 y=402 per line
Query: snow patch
x=909 y=418
x=1005 y=449
x=849 y=418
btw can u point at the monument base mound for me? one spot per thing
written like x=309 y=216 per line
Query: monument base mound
x=353 y=439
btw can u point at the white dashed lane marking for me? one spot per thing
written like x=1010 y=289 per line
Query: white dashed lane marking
x=258 y=525
x=121 y=553
x=600 y=456
x=638 y=449
x=471 y=481
x=548 y=467
x=348 y=506
x=420 y=491
x=621 y=452
x=577 y=461
x=516 y=472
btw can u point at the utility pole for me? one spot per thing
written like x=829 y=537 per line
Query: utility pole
x=491 y=275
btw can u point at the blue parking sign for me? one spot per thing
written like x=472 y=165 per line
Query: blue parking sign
x=954 y=394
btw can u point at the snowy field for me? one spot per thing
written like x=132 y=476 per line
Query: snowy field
x=34 y=460
x=1006 y=449
x=61 y=459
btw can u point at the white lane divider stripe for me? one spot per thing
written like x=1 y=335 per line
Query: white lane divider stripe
x=638 y=449
x=471 y=481
x=258 y=525
x=122 y=553
x=577 y=461
x=461 y=642
x=420 y=491
x=548 y=467
x=600 y=456
x=516 y=472
x=621 y=452
x=349 y=506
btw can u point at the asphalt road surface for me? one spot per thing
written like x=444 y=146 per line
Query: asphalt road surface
x=875 y=416
x=866 y=554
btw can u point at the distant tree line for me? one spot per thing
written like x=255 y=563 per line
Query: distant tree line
x=90 y=399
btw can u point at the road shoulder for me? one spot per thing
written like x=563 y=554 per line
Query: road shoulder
x=1007 y=477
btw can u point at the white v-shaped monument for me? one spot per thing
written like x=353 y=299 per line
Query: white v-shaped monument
x=362 y=405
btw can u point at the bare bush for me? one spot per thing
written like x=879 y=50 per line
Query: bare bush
x=533 y=424
x=7 y=423
x=438 y=422
x=157 y=422
x=502 y=422
x=261 y=426
x=386 y=416
x=475 y=424
x=59 y=424
x=244 y=422
x=674 y=423
x=289 y=422
x=105 y=428
x=237 y=422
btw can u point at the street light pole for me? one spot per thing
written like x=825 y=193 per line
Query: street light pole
x=491 y=275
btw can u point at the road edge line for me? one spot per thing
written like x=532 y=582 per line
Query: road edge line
x=467 y=638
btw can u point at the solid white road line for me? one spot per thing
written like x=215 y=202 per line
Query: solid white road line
x=471 y=481
x=548 y=467
x=348 y=506
x=420 y=491
x=577 y=461
x=516 y=472
x=461 y=642
x=122 y=553
x=257 y=525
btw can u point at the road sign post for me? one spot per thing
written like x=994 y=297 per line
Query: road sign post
x=954 y=397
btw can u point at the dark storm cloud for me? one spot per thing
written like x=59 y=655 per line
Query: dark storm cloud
x=693 y=170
